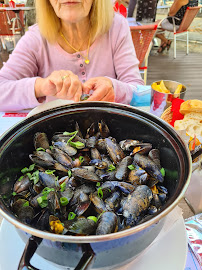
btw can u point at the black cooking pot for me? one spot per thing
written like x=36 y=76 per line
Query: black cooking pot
x=106 y=251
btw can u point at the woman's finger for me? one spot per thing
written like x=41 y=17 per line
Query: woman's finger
x=88 y=86
x=78 y=94
x=74 y=86
x=110 y=96
x=98 y=94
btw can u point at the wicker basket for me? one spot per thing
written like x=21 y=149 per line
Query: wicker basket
x=167 y=115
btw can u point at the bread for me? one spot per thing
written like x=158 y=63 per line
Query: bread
x=193 y=105
x=192 y=121
x=167 y=115
x=194 y=130
x=193 y=115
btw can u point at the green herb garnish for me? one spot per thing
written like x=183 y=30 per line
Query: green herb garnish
x=81 y=159
x=100 y=192
x=111 y=168
x=21 y=177
x=63 y=187
x=162 y=170
x=71 y=215
x=98 y=184
x=64 y=201
x=92 y=218
x=35 y=177
x=66 y=133
x=26 y=204
x=29 y=175
x=14 y=193
x=69 y=173
x=131 y=167
x=49 y=171
x=26 y=170
x=41 y=149
x=42 y=201
x=101 y=214
x=47 y=190
x=77 y=145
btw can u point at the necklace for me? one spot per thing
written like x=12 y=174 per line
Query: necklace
x=87 y=61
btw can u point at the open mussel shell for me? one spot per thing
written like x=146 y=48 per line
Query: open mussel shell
x=42 y=159
x=114 y=150
x=85 y=175
x=69 y=150
x=154 y=154
x=48 y=180
x=82 y=226
x=23 y=210
x=122 y=168
x=95 y=154
x=22 y=184
x=128 y=145
x=113 y=201
x=103 y=129
x=62 y=157
x=41 y=140
x=149 y=166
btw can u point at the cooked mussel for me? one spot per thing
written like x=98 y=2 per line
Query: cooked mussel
x=114 y=150
x=149 y=166
x=107 y=223
x=136 y=202
x=41 y=140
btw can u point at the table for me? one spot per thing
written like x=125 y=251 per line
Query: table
x=9 y=119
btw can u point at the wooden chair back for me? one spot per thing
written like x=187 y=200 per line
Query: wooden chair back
x=6 y=20
x=142 y=36
x=188 y=18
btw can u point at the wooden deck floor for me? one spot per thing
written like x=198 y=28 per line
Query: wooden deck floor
x=186 y=69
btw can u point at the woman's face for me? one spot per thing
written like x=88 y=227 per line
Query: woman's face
x=72 y=11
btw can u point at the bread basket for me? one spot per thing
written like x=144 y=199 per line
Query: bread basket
x=167 y=115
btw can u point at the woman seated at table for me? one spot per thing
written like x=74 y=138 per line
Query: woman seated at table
x=77 y=47
x=177 y=11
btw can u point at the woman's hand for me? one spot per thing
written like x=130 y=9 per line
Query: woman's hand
x=62 y=84
x=102 y=88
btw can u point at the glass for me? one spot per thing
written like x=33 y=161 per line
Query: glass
x=161 y=101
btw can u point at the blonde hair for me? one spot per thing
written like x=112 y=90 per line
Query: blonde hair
x=101 y=17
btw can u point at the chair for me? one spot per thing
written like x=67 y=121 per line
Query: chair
x=188 y=18
x=142 y=36
x=11 y=25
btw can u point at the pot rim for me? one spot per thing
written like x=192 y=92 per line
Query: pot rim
x=100 y=238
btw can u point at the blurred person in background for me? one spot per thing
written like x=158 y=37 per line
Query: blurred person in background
x=131 y=7
x=75 y=47
x=176 y=14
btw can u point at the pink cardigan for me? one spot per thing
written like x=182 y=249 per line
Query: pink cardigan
x=111 y=55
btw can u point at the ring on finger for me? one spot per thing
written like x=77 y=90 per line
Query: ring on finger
x=64 y=77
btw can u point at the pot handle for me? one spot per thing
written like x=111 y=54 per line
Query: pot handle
x=29 y=251
x=85 y=262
